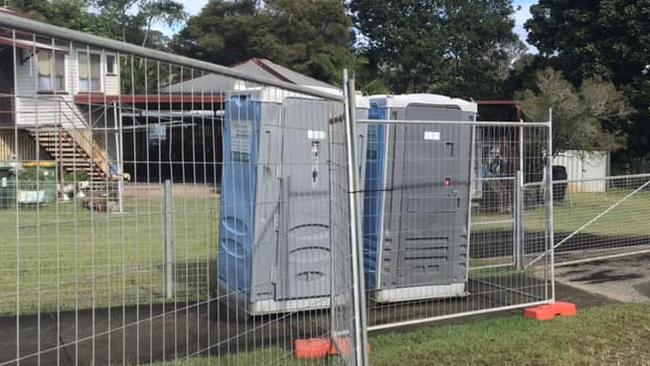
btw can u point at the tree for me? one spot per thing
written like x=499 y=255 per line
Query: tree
x=609 y=39
x=131 y=20
x=587 y=118
x=308 y=36
x=455 y=47
x=126 y=20
x=72 y=14
x=606 y=38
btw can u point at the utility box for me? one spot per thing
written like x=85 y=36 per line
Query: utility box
x=416 y=197
x=7 y=187
x=274 y=242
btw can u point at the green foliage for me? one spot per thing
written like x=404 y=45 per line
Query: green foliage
x=131 y=20
x=588 y=118
x=126 y=20
x=72 y=14
x=455 y=47
x=80 y=176
x=143 y=76
x=312 y=37
x=608 y=39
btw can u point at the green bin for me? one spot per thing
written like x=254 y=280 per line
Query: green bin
x=7 y=187
x=37 y=183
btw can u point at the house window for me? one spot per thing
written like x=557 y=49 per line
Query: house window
x=51 y=73
x=90 y=74
x=110 y=65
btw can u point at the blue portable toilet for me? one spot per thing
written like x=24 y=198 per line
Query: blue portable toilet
x=274 y=244
x=416 y=198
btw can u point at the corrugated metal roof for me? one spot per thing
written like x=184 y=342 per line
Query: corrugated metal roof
x=213 y=83
x=294 y=77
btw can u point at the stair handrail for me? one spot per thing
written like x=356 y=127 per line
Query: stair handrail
x=77 y=132
x=87 y=143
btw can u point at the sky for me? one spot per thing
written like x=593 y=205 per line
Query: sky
x=521 y=16
x=193 y=7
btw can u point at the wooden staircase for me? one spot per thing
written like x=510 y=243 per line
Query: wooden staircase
x=75 y=151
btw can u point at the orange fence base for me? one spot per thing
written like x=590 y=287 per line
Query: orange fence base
x=315 y=348
x=310 y=349
x=550 y=311
x=342 y=346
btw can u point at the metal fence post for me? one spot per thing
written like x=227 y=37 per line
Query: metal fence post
x=518 y=251
x=119 y=136
x=359 y=303
x=169 y=222
x=549 y=210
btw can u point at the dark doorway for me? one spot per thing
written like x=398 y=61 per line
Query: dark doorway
x=6 y=85
x=185 y=151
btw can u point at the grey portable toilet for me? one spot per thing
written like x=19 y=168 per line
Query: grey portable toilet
x=416 y=198
x=274 y=243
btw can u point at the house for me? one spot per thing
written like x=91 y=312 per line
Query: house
x=40 y=80
x=85 y=108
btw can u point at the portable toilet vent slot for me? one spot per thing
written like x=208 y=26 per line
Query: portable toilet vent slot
x=274 y=243
x=416 y=198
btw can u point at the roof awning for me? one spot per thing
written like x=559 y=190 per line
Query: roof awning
x=30 y=45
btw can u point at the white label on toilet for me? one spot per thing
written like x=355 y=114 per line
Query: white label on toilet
x=241 y=135
x=432 y=135
x=316 y=135
x=242 y=132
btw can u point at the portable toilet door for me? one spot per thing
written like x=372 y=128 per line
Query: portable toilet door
x=305 y=247
x=416 y=239
x=304 y=252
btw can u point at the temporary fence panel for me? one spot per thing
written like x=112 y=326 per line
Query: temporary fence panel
x=607 y=218
x=143 y=238
x=435 y=162
x=174 y=218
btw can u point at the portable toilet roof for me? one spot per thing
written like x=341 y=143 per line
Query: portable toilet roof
x=403 y=100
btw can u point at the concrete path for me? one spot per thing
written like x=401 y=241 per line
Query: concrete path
x=624 y=279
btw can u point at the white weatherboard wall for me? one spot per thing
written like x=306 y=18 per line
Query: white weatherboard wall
x=583 y=165
x=34 y=109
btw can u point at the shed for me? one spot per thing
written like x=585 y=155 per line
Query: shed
x=590 y=168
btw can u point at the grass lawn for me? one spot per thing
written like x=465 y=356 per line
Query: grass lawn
x=628 y=219
x=70 y=257
x=611 y=334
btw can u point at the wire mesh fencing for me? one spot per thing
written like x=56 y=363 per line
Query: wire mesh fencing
x=601 y=218
x=442 y=232
x=157 y=208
